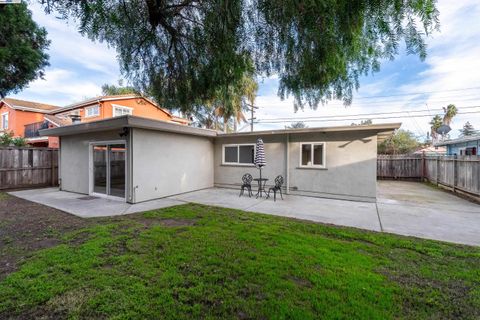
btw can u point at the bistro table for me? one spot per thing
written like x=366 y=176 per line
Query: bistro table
x=261 y=186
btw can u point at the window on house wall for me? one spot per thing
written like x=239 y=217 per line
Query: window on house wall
x=240 y=154
x=69 y=113
x=121 y=111
x=4 y=121
x=93 y=111
x=312 y=155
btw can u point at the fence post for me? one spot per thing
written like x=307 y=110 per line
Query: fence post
x=422 y=178
x=454 y=172
x=437 y=174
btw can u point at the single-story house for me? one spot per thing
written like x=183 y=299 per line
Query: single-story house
x=431 y=151
x=141 y=159
x=464 y=146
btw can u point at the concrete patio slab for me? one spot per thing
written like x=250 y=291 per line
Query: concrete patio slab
x=347 y=213
x=87 y=207
x=406 y=208
x=415 y=209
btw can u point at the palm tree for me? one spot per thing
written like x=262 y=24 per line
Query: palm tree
x=231 y=101
x=450 y=112
x=435 y=123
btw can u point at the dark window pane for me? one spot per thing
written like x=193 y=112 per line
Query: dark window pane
x=231 y=154
x=318 y=154
x=100 y=169
x=117 y=170
x=246 y=154
x=306 y=154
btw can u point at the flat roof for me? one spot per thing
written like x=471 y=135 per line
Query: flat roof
x=458 y=140
x=383 y=130
x=128 y=121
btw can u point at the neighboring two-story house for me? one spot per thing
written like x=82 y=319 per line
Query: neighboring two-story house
x=16 y=116
x=46 y=116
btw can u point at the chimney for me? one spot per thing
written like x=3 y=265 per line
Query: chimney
x=75 y=118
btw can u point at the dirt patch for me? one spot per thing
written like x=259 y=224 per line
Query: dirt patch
x=27 y=227
x=300 y=282
x=63 y=306
x=177 y=222
x=434 y=295
x=170 y=222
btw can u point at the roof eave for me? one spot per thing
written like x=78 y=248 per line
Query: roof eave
x=385 y=128
x=128 y=122
x=94 y=100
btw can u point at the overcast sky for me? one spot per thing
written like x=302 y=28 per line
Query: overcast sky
x=406 y=90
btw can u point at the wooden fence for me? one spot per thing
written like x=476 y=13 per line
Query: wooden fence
x=28 y=167
x=458 y=173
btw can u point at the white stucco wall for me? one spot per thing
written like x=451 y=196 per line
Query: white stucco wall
x=350 y=171
x=231 y=175
x=74 y=159
x=165 y=164
x=351 y=167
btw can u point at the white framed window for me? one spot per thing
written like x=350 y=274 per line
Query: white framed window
x=121 y=110
x=312 y=155
x=93 y=111
x=4 y=121
x=238 y=154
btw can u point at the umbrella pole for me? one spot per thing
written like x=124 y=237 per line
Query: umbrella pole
x=261 y=186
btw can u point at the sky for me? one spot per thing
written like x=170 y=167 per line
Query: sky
x=406 y=90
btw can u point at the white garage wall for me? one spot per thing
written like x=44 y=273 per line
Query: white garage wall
x=165 y=164
x=74 y=159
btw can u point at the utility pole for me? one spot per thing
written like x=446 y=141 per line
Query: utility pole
x=252 y=112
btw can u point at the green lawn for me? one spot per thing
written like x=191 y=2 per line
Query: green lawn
x=207 y=262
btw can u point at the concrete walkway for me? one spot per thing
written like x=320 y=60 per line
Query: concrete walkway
x=415 y=209
x=89 y=207
x=406 y=208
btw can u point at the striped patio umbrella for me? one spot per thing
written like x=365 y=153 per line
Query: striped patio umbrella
x=260 y=156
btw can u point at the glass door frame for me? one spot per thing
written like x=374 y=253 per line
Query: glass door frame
x=91 y=175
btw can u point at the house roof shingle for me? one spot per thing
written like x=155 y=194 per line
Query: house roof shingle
x=29 y=105
x=98 y=99
x=58 y=121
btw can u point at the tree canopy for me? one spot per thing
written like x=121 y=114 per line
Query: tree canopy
x=23 y=46
x=297 y=125
x=184 y=52
x=112 y=89
x=468 y=130
x=402 y=142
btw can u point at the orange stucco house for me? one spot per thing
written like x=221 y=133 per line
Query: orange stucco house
x=26 y=118
x=16 y=115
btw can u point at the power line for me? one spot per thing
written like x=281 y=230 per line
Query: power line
x=403 y=103
x=418 y=93
x=356 y=119
x=364 y=115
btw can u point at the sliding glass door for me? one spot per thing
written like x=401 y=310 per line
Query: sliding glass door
x=100 y=169
x=109 y=169
x=116 y=156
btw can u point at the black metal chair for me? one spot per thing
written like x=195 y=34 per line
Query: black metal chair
x=247 y=184
x=277 y=187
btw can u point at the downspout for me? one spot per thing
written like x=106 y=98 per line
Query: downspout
x=287 y=148
x=131 y=193
x=59 y=165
